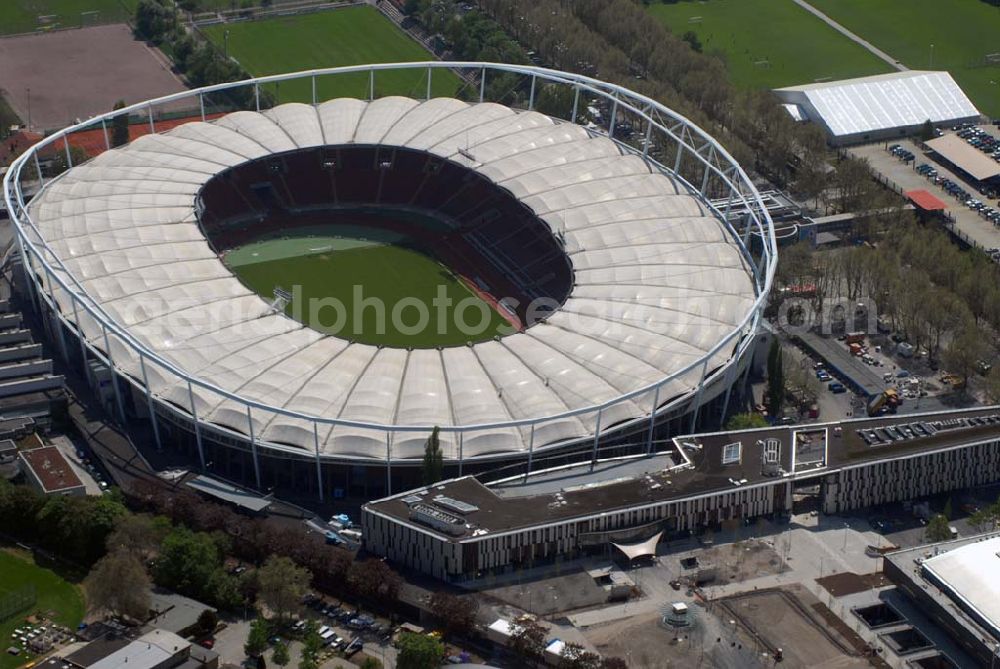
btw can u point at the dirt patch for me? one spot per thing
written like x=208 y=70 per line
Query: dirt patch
x=795 y=621
x=848 y=583
x=741 y=561
x=75 y=74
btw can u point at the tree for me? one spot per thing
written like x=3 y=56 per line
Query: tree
x=207 y=621
x=419 y=651
x=433 y=468
x=947 y=512
x=745 y=421
x=458 y=614
x=119 y=126
x=187 y=562
x=527 y=639
x=575 y=656
x=282 y=584
x=691 y=37
x=256 y=642
x=312 y=644
x=138 y=534
x=993 y=385
x=983 y=520
x=927 y=131
x=938 y=529
x=280 y=655
x=965 y=351
x=775 y=379
x=375 y=580
x=119 y=584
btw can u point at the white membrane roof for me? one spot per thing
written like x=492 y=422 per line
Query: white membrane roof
x=658 y=283
x=883 y=101
x=972 y=575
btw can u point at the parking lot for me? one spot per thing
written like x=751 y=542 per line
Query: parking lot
x=905 y=176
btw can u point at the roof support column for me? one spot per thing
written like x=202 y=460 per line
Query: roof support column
x=576 y=103
x=253 y=449
x=107 y=140
x=597 y=437
x=531 y=95
x=256 y=95
x=461 y=447
x=531 y=450
x=80 y=336
x=482 y=85
x=371 y=85
x=730 y=380
x=680 y=153
x=38 y=169
x=313 y=82
x=149 y=402
x=69 y=157
x=29 y=285
x=197 y=428
x=430 y=70
x=319 y=463
x=611 y=121
x=649 y=137
x=388 y=462
x=697 y=396
x=201 y=105
x=152 y=124
x=114 y=375
x=54 y=315
x=652 y=420
x=708 y=171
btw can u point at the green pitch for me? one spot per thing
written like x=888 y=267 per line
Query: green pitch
x=22 y=16
x=350 y=36
x=770 y=43
x=963 y=32
x=54 y=594
x=331 y=276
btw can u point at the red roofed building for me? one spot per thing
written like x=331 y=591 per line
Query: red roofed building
x=16 y=144
x=49 y=472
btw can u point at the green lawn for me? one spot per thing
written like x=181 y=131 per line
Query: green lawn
x=21 y=16
x=319 y=267
x=351 y=36
x=56 y=598
x=963 y=32
x=770 y=43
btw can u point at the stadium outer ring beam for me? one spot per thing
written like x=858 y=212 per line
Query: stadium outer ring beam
x=698 y=153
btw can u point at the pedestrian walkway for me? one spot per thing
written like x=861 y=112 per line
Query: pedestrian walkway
x=852 y=36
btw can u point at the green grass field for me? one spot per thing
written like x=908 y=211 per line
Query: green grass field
x=351 y=36
x=963 y=32
x=319 y=267
x=770 y=43
x=21 y=16
x=57 y=599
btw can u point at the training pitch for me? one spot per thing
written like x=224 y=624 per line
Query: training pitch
x=62 y=86
x=55 y=597
x=335 y=38
x=770 y=43
x=394 y=282
x=963 y=34
x=25 y=16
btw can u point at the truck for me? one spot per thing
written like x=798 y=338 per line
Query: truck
x=855 y=348
x=888 y=398
x=855 y=338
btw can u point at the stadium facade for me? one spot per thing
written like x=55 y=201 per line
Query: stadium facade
x=655 y=296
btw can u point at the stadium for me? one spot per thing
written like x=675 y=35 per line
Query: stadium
x=616 y=305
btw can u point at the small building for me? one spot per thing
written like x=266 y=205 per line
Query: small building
x=49 y=472
x=156 y=649
x=240 y=498
x=881 y=107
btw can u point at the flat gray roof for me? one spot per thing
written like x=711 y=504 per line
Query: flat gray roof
x=694 y=465
x=227 y=492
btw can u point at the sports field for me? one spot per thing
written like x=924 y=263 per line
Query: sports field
x=23 y=16
x=394 y=282
x=964 y=33
x=55 y=597
x=770 y=43
x=350 y=36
